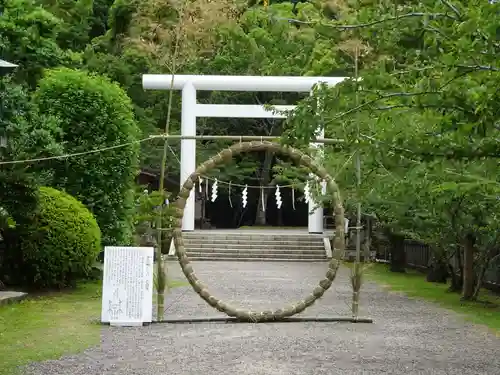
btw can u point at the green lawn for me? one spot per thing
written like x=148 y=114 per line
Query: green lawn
x=50 y=326
x=413 y=284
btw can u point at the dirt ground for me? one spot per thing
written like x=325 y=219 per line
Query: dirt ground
x=407 y=337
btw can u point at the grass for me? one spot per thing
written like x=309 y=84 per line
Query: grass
x=50 y=326
x=413 y=284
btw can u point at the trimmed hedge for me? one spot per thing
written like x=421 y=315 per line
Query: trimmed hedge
x=94 y=114
x=62 y=242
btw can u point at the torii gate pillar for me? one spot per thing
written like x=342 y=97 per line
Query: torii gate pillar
x=189 y=84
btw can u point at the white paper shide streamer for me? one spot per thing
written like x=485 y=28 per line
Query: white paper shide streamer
x=307 y=192
x=244 y=196
x=263 y=199
x=229 y=195
x=200 y=184
x=214 y=191
x=278 y=197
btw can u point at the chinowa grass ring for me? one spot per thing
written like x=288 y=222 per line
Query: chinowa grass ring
x=223 y=158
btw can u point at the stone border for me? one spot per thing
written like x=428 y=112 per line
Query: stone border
x=222 y=158
x=8 y=297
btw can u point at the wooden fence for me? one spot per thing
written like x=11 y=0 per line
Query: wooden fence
x=418 y=257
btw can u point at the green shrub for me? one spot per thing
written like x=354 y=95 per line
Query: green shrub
x=62 y=242
x=149 y=208
x=29 y=134
x=95 y=113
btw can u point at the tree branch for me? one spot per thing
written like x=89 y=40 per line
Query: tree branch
x=452 y=7
x=396 y=18
x=374 y=23
x=426 y=155
x=480 y=67
x=382 y=97
x=471 y=69
x=437 y=31
x=389 y=107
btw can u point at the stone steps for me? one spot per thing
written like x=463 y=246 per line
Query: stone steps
x=266 y=251
x=261 y=239
x=247 y=254
x=256 y=246
x=251 y=245
x=239 y=259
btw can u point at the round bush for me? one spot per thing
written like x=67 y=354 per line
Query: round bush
x=94 y=113
x=62 y=242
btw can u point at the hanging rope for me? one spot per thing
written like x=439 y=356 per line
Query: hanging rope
x=213 y=196
x=235 y=184
x=227 y=183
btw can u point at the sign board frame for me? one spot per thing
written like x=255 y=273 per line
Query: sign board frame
x=127 y=287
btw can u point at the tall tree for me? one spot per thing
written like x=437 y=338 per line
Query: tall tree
x=29 y=38
x=428 y=122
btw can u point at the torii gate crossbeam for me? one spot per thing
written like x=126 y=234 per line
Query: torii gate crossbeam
x=189 y=84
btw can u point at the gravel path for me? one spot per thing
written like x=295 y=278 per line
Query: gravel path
x=408 y=336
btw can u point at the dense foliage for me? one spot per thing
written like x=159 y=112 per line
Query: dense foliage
x=94 y=113
x=423 y=119
x=61 y=243
x=23 y=133
x=151 y=208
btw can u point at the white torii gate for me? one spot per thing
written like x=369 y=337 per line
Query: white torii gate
x=189 y=84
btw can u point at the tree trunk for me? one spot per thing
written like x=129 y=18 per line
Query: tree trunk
x=468 y=273
x=280 y=217
x=490 y=257
x=238 y=216
x=456 y=281
x=264 y=177
x=480 y=279
x=456 y=274
x=398 y=255
x=437 y=272
x=260 y=216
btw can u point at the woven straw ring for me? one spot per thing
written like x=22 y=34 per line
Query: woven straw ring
x=222 y=158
